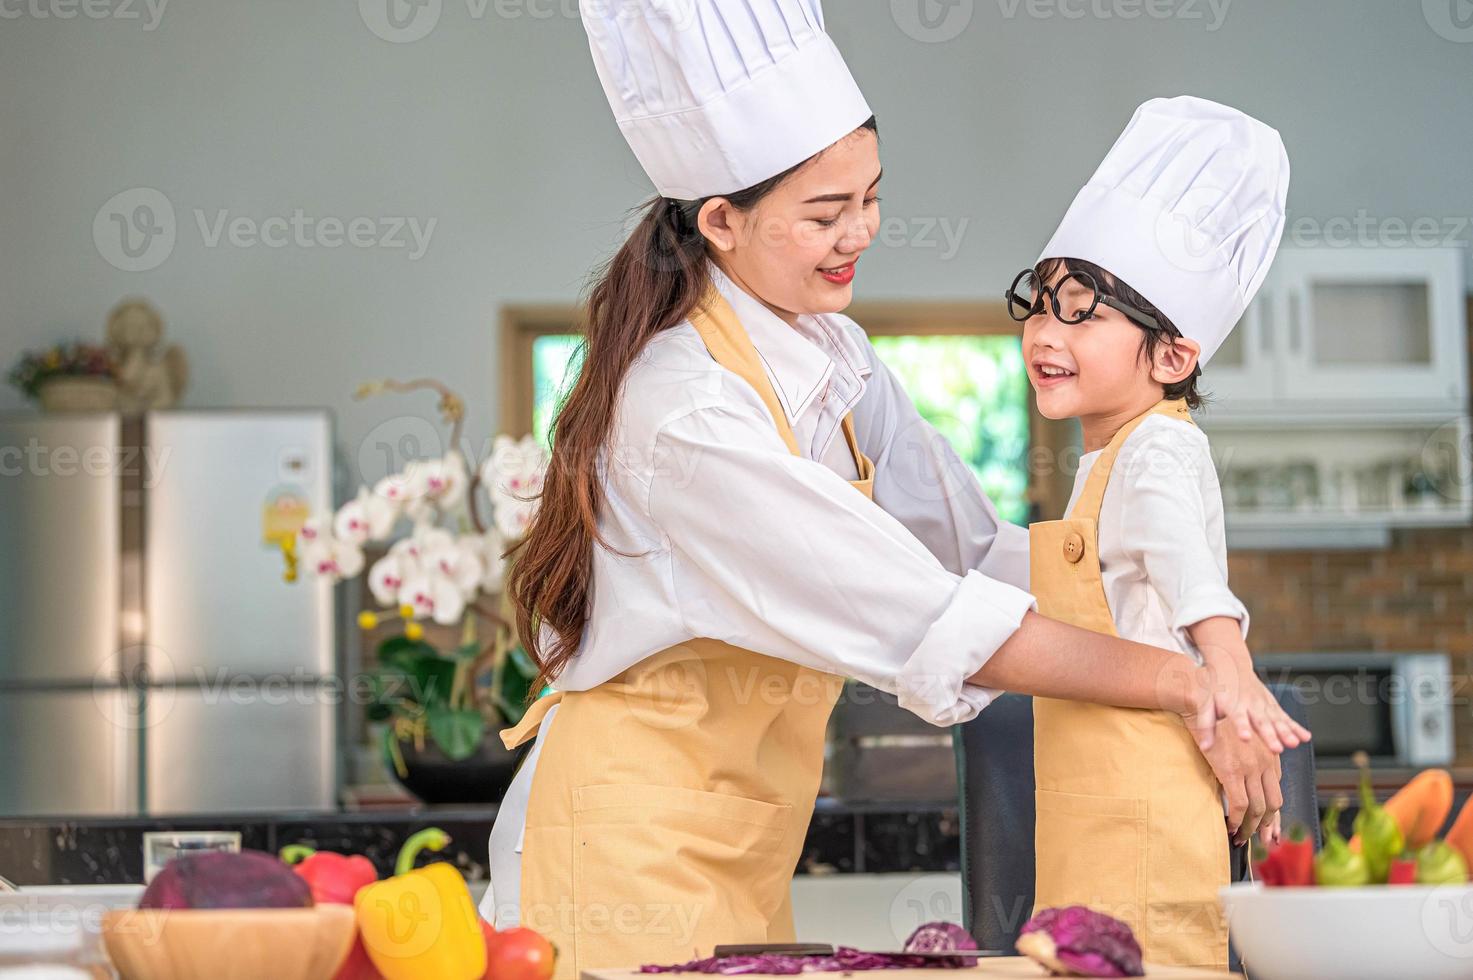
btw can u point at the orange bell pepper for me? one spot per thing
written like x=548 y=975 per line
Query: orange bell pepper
x=421 y=924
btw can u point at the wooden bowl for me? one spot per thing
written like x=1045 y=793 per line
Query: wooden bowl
x=229 y=944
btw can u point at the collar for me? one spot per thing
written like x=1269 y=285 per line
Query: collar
x=799 y=361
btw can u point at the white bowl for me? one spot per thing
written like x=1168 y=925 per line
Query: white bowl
x=1381 y=932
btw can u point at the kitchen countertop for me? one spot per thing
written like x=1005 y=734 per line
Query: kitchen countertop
x=1016 y=967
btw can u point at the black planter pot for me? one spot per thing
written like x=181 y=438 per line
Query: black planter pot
x=481 y=778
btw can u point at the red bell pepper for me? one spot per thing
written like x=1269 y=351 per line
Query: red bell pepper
x=1288 y=865
x=334 y=880
x=1296 y=857
x=1403 y=870
x=1267 y=867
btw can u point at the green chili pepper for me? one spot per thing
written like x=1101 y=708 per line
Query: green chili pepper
x=1381 y=840
x=1439 y=863
x=1337 y=866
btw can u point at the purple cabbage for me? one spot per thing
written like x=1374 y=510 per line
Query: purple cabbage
x=938 y=937
x=1080 y=942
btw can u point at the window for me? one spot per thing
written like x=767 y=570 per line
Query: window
x=960 y=362
x=974 y=390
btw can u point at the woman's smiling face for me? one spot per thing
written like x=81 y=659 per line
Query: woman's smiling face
x=797 y=248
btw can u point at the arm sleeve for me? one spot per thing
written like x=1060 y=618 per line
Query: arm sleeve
x=920 y=480
x=779 y=555
x=1172 y=502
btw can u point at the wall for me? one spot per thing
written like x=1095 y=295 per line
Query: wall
x=494 y=128
x=1416 y=596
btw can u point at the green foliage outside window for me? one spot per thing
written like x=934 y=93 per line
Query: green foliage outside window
x=974 y=390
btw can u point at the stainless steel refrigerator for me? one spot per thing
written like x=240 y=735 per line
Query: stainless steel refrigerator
x=152 y=659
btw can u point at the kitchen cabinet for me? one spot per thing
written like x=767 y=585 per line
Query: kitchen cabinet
x=1338 y=408
x=1349 y=329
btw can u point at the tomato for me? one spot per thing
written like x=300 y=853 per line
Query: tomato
x=517 y=954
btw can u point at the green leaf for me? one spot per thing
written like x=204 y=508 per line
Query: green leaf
x=401 y=651
x=468 y=651
x=456 y=732
x=431 y=678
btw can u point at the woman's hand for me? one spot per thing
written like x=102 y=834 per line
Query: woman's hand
x=1249 y=773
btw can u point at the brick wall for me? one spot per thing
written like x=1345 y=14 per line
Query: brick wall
x=1416 y=595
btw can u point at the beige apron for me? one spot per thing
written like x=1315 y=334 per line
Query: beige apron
x=670 y=804
x=1130 y=819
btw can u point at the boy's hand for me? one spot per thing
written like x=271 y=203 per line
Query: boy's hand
x=1249 y=773
x=1271 y=831
x=1237 y=693
x=1242 y=699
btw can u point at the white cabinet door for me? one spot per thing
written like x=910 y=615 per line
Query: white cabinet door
x=1381 y=326
x=1245 y=373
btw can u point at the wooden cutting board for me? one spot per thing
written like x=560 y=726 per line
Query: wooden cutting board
x=1017 y=967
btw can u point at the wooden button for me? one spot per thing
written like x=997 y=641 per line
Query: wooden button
x=1073 y=547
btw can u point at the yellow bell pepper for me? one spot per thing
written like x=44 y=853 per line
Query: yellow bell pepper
x=421 y=924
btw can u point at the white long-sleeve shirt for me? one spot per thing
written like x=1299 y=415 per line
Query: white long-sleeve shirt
x=1163 y=548
x=740 y=540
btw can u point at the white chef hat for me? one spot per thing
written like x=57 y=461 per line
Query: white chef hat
x=715 y=96
x=1188 y=209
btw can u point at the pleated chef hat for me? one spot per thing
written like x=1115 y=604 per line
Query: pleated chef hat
x=717 y=95
x=1188 y=209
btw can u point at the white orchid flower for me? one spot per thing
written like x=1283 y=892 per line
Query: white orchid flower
x=460 y=562
x=514 y=518
x=513 y=476
x=432 y=593
x=397 y=488
x=387 y=577
x=314 y=529
x=436 y=485
x=332 y=557
x=367 y=517
x=425 y=538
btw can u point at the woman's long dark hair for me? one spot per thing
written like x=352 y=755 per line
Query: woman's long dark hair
x=651 y=284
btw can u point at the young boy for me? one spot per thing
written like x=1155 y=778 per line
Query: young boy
x=1153 y=265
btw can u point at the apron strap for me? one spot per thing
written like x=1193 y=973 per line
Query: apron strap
x=531 y=721
x=862 y=463
x=1093 y=496
x=728 y=343
x=731 y=346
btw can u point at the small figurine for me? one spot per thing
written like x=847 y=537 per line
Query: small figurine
x=149 y=377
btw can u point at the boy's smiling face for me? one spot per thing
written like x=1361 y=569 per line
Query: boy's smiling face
x=1096 y=370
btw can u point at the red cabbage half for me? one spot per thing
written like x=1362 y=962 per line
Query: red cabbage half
x=1080 y=942
x=931 y=937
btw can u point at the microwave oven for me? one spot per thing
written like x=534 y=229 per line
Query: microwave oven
x=1396 y=707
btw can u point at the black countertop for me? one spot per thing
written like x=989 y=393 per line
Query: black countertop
x=842 y=838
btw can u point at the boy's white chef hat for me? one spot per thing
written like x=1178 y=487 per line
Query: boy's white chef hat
x=1188 y=209
x=715 y=96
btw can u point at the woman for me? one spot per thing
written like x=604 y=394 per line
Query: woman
x=702 y=573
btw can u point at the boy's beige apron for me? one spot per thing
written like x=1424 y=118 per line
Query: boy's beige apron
x=1130 y=820
x=670 y=804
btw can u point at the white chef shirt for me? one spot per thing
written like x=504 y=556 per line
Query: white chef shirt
x=739 y=540
x=1163 y=549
